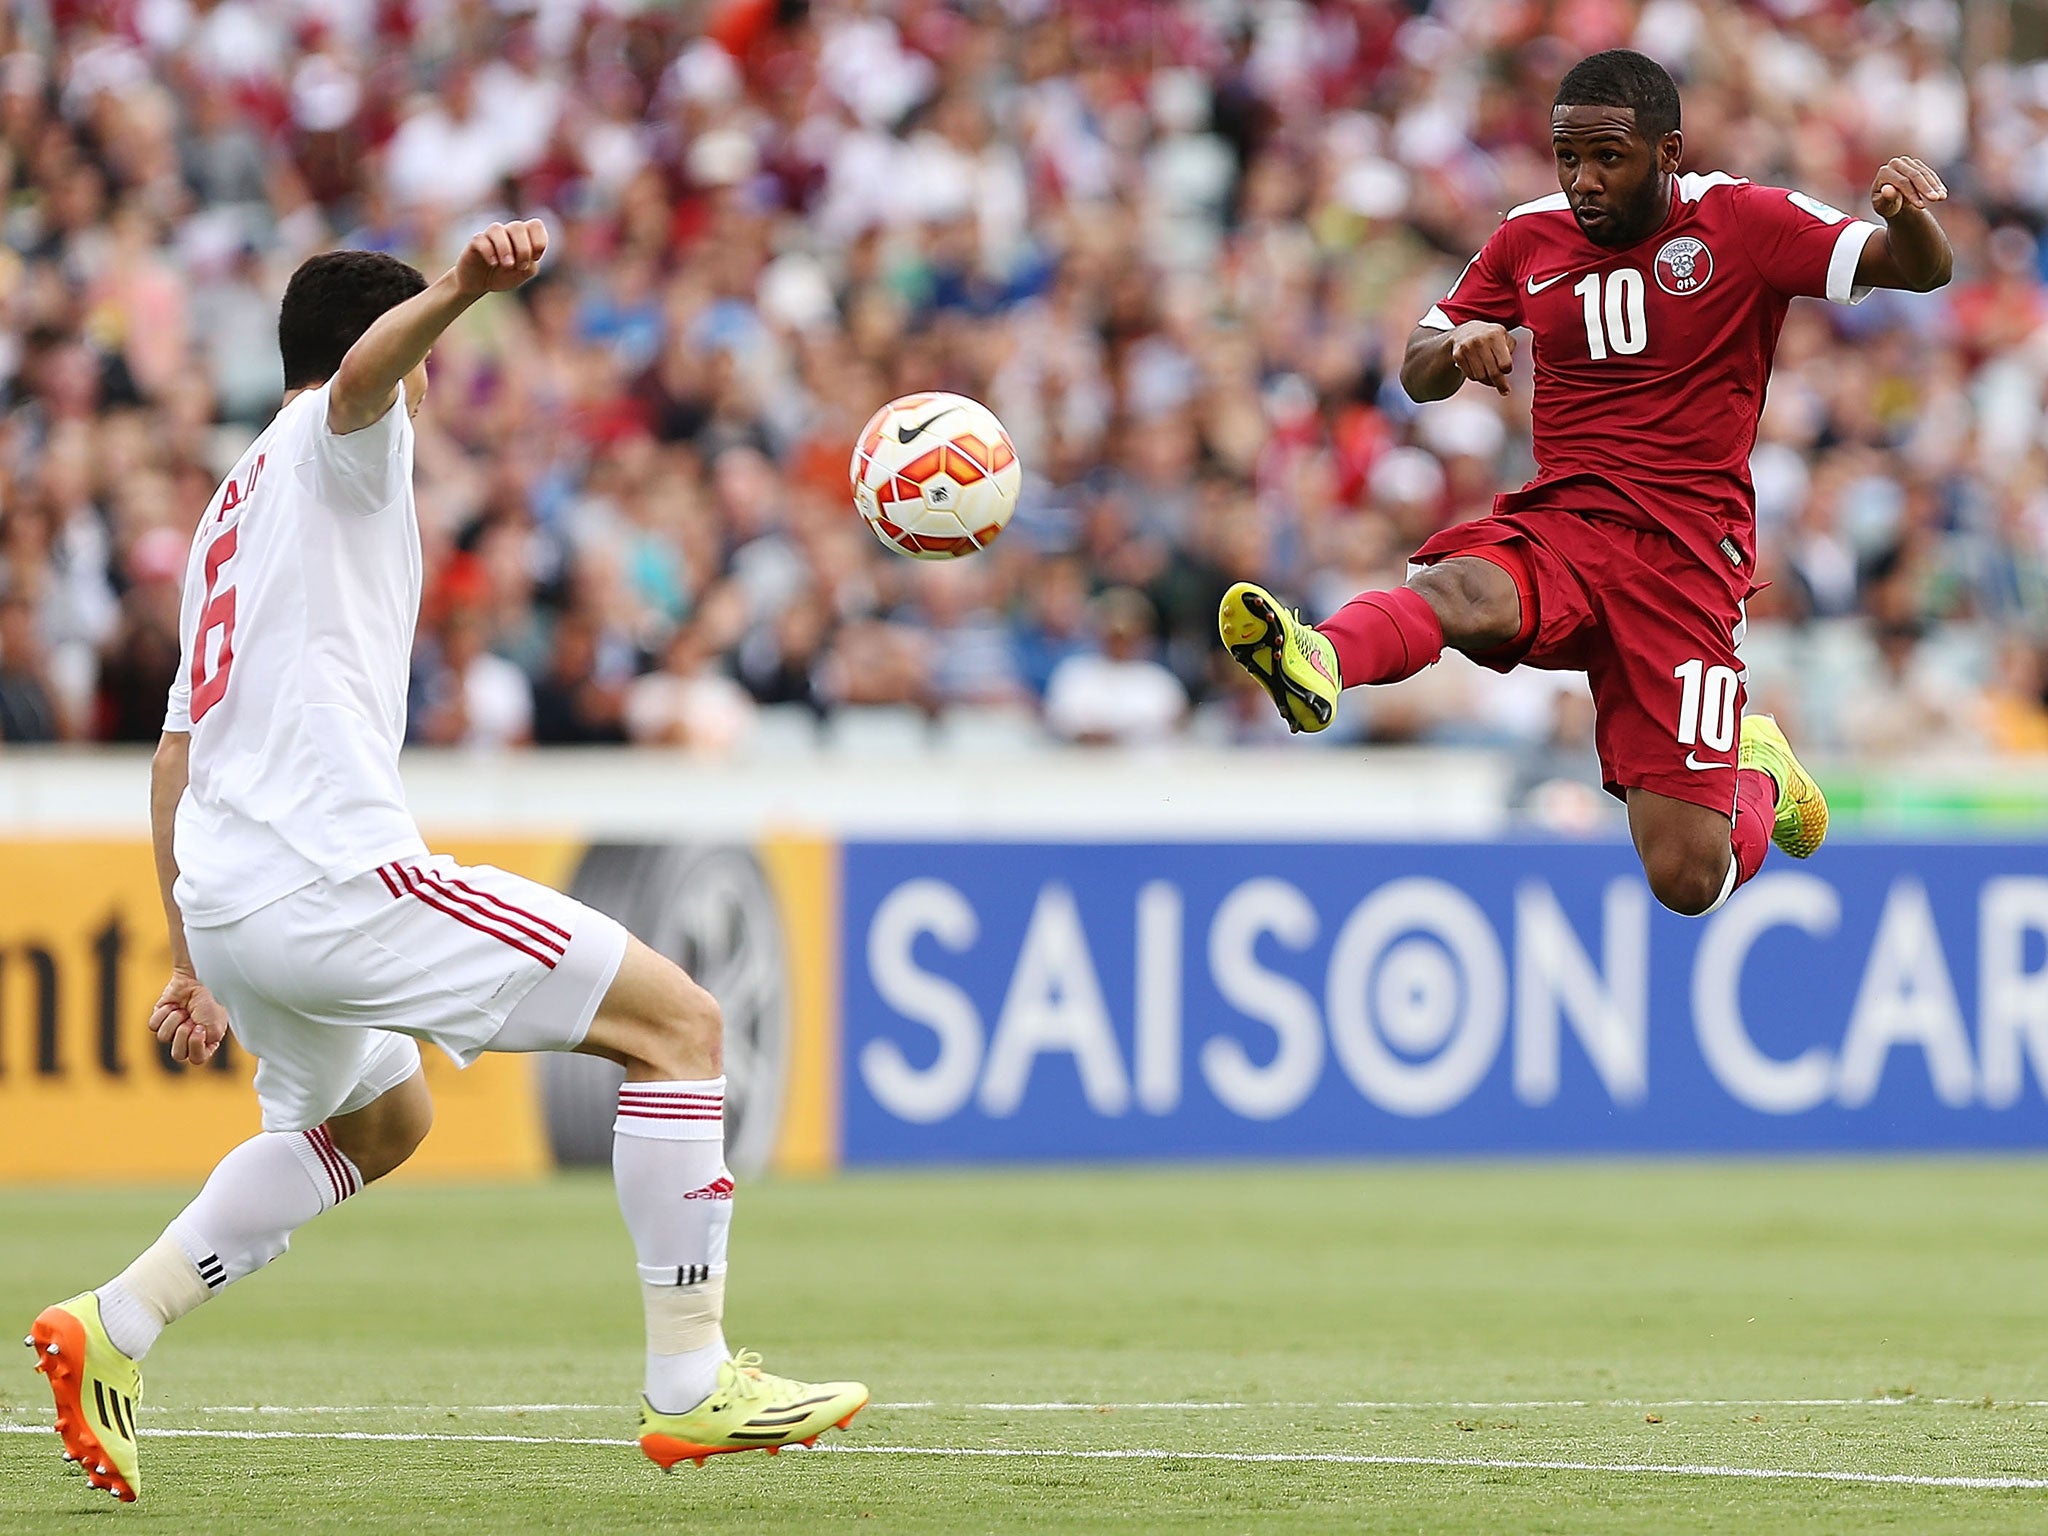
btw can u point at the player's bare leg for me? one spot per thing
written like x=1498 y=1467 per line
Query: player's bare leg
x=385 y=1132
x=1474 y=600
x=1466 y=603
x=1687 y=853
x=91 y=1347
x=1695 y=858
x=668 y=1158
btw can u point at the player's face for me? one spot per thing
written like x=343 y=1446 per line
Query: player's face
x=1617 y=180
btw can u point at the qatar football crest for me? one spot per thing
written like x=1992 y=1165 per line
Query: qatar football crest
x=1683 y=266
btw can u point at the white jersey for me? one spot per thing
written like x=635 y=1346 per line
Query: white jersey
x=296 y=635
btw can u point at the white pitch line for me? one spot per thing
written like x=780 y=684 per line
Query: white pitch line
x=289 y=1408
x=1256 y=1458
x=338 y=1434
x=1491 y=1464
x=1401 y=1403
x=1363 y=1405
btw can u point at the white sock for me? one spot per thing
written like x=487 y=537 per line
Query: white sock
x=256 y=1197
x=668 y=1158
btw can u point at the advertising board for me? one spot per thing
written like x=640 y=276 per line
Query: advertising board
x=1250 y=1000
x=941 y=1001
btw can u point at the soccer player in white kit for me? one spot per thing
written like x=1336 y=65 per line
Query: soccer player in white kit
x=305 y=910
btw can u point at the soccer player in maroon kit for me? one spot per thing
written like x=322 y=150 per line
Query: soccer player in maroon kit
x=1653 y=302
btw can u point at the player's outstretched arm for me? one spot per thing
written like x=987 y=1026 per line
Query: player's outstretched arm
x=495 y=260
x=168 y=773
x=187 y=1018
x=1438 y=363
x=1911 y=251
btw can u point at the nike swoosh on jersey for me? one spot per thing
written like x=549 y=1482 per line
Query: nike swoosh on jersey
x=1697 y=766
x=1536 y=287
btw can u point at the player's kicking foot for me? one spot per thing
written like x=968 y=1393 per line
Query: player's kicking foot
x=1802 y=824
x=750 y=1411
x=96 y=1388
x=1295 y=664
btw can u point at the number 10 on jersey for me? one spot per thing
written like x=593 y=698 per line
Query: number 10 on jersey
x=1706 y=705
x=1615 y=323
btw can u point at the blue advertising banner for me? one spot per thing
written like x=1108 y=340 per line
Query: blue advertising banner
x=1036 y=1001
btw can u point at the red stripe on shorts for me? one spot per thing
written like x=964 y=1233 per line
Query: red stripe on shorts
x=467 y=921
x=391 y=885
x=497 y=901
x=440 y=886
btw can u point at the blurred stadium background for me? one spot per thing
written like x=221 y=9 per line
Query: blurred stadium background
x=997 y=860
x=1176 y=246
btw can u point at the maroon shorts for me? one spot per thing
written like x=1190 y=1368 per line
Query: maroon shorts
x=1654 y=630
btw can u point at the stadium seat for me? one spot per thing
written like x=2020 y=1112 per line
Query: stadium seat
x=877 y=730
x=991 y=730
x=784 y=731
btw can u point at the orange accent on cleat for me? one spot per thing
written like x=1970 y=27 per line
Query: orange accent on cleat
x=807 y=1444
x=665 y=1453
x=60 y=1341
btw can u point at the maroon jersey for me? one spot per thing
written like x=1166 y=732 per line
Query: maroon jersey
x=1651 y=360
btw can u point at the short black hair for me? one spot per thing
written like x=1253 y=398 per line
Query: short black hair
x=1621 y=77
x=331 y=300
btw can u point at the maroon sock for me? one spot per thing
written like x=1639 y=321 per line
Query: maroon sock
x=1382 y=637
x=1756 y=808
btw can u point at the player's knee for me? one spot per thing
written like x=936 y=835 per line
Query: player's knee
x=409 y=1132
x=657 y=1022
x=1474 y=600
x=686 y=1034
x=1688 y=884
x=380 y=1138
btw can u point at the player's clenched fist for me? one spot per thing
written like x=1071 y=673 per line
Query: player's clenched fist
x=502 y=257
x=1902 y=180
x=1484 y=353
x=189 y=1019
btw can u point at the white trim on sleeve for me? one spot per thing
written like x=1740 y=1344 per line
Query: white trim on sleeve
x=1842 y=285
x=1557 y=202
x=1436 y=319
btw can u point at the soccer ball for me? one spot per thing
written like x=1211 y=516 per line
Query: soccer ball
x=935 y=476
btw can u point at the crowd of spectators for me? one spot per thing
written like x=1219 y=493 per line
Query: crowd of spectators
x=1176 y=244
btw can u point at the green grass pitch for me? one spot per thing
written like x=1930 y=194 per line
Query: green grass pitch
x=1270 y=1341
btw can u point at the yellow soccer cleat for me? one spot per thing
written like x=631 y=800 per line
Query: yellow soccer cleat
x=750 y=1411
x=1294 y=663
x=96 y=1388
x=1802 y=823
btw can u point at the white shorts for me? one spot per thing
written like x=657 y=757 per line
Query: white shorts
x=330 y=987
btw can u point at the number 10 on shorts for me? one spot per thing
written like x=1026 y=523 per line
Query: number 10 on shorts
x=1706 y=709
